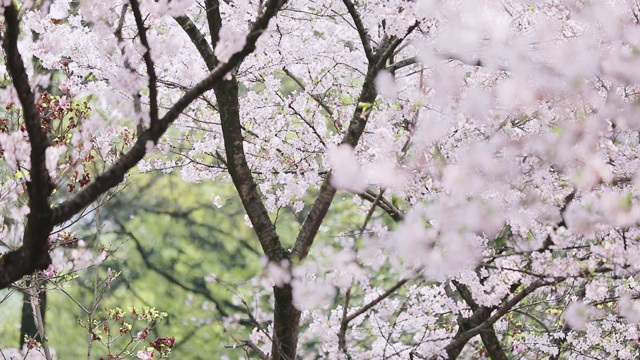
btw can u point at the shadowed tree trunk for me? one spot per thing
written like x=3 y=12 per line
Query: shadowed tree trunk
x=27 y=322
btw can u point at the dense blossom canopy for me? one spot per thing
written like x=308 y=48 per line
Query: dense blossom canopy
x=498 y=141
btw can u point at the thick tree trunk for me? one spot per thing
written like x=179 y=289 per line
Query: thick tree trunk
x=286 y=326
x=286 y=317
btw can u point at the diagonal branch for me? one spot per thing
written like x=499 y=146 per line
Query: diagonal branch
x=488 y=335
x=359 y=119
x=384 y=204
x=402 y=63
x=172 y=279
x=286 y=316
x=198 y=39
x=229 y=109
x=362 y=32
x=315 y=97
x=386 y=52
x=377 y=300
x=33 y=254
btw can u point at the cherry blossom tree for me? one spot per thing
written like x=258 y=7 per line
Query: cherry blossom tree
x=490 y=150
x=35 y=153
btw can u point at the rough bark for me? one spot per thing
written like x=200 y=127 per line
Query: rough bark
x=286 y=325
x=33 y=255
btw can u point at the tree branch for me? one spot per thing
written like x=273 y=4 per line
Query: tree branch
x=227 y=95
x=118 y=34
x=286 y=316
x=384 y=53
x=229 y=110
x=488 y=335
x=402 y=63
x=151 y=71
x=173 y=280
x=198 y=39
x=315 y=97
x=384 y=204
x=362 y=32
x=214 y=20
x=377 y=300
x=461 y=339
x=367 y=97
x=33 y=254
x=251 y=345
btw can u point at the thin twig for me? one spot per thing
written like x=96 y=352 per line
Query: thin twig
x=315 y=97
x=370 y=212
x=377 y=300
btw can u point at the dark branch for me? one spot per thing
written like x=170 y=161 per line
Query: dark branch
x=356 y=127
x=151 y=71
x=488 y=335
x=229 y=110
x=227 y=95
x=384 y=204
x=220 y=305
x=198 y=39
x=215 y=22
x=402 y=63
x=362 y=32
x=315 y=97
x=33 y=255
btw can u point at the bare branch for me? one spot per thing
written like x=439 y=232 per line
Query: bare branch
x=37 y=312
x=256 y=349
x=342 y=334
x=375 y=203
x=377 y=300
x=402 y=63
x=220 y=306
x=384 y=204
